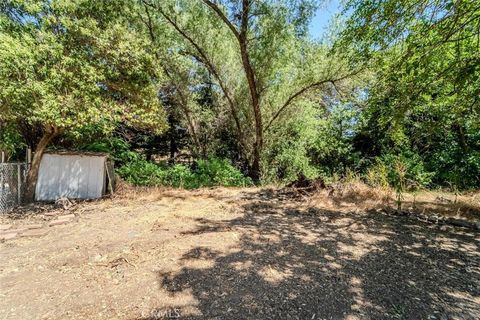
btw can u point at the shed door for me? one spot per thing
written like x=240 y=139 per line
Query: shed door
x=70 y=176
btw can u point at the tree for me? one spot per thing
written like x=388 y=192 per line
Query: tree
x=65 y=65
x=426 y=89
x=265 y=43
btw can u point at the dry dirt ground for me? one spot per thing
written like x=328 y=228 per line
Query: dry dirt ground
x=238 y=254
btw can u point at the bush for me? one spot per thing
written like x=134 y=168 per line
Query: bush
x=377 y=176
x=141 y=173
x=207 y=173
x=118 y=149
x=178 y=176
x=218 y=172
x=403 y=172
x=456 y=169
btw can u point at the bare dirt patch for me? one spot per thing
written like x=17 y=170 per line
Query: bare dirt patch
x=238 y=254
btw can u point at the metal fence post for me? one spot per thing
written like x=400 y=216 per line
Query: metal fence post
x=2 y=173
x=19 y=183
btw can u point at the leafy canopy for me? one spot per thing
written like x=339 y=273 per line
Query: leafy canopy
x=70 y=64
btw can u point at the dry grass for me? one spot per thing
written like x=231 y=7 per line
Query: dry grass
x=352 y=196
x=358 y=196
x=463 y=205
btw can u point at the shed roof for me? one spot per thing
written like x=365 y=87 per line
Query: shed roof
x=77 y=153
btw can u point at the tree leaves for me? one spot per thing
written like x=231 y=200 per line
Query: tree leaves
x=75 y=64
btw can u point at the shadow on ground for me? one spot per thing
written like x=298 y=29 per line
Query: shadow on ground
x=315 y=264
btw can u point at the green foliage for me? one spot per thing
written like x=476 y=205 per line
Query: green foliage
x=289 y=146
x=118 y=149
x=409 y=120
x=455 y=165
x=260 y=66
x=141 y=173
x=10 y=140
x=207 y=173
x=426 y=84
x=315 y=141
x=69 y=64
x=404 y=171
x=138 y=171
x=377 y=176
x=218 y=172
x=333 y=149
x=179 y=176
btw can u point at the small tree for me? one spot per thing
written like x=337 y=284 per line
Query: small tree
x=65 y=65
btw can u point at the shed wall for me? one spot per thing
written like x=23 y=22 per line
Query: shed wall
x=70 y=176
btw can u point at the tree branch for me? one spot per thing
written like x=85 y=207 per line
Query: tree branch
x=302 y=91
x=208 y=64
x=224 y=18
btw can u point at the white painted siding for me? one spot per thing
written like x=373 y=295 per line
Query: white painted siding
x=70 y=176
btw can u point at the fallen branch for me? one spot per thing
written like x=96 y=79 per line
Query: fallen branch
x=435 y=219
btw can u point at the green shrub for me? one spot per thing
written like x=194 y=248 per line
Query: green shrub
x=456 y=168
x=405 y=170
x=178 y=176
x=377 y=176
x=208 y=173
x=141 y=173
x=218 y=172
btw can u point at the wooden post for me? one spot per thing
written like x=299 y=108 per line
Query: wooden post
x=19 y=183
x=29 y=157
x=2 y=160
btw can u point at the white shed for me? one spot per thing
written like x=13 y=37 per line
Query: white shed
x=73 y=176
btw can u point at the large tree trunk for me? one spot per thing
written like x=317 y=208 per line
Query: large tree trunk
x=256 y=173
x=49 y=133
x=254 y=93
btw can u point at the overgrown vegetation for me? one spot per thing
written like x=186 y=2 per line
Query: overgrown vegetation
x=134 y=168
x=206 y=173
x=197 y=93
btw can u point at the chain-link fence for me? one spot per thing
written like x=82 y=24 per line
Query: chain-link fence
x=12 y=184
